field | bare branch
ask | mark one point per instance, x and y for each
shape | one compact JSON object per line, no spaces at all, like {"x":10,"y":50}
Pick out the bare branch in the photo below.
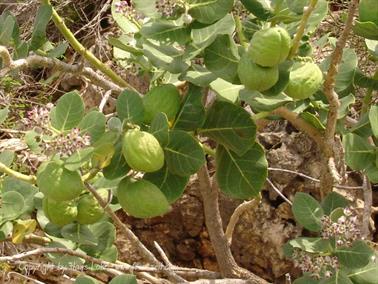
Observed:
{"x":5,"y":57}
{"x":227,"y":264}
{"x":279,"y":192}
{"x":368,"y":202}
{"x":245,"y":206}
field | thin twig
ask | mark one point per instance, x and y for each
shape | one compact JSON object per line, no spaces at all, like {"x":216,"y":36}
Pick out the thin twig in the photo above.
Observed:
{"x":104,"y":100}
{"x":279,"y":192}
{"x":312,"y":178}
{"x":368,"y":202}
{"x":162,"y":254}
{"x":245,"y":206}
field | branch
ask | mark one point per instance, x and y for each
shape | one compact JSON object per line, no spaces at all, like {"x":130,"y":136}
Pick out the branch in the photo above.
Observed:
{"x":227,"y":264}
{"x":29,"y":179}
{"x":279,"y":192}
{"x":78,"y":47}
{"x":132,"y":237}
{"x":53,"y":63}
{"x":301,"y":29}
{"x":247,"y":205}
{"x":368,"y":202}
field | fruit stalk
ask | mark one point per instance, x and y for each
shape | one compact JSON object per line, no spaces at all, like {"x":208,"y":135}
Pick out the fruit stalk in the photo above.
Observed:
{"x":301,"y":28}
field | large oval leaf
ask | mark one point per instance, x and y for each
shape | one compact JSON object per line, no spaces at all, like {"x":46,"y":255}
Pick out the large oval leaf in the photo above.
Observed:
{"x":93,"y":124}
{"x":130,"y":107}
{"x":356,"y":256}
{"x":208,"y":11}
{"x":358,"y":152}
{"x":231,"y":126}
{"x":307,"y":211}
{"x":68,"y":113}
{"x":241,"y":176}
{"x":183,"y":154}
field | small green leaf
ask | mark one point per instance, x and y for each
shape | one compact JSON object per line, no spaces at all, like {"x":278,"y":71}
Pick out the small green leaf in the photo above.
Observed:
{"x":7,"y":29}
{"x":356,"y":256}
{"x":160,"y":127}
{"x":231,"y":126}
{"x":367,"y":30}
{"x":312,"y":119}
{"x":332,"y":201}
{"x":192,"y":113}
{"x":364,"y":81}
{"x":345,"y":102}
{"x":373,"y":117}
{"x":78,"y":159}
{"x":122,"y":20}
{"x":39,"y":31}
{"x":283,"y":79}
{"x":225,"y":90}
{"x":118,"y":166}
{"x":307,"y":211}
{"x":124,"y":279}
{"x":7,"y":157}
{"x":12,"y":205}
{"x":172,"y":186}
{"x":199,"y":76}
{"x":312,"y":245}
{"x":79,"y":234}
{"x":358,"y":152}
{"x":183,"y":154}
{"x":260,"y":103}
{"x":241,"y":176}
{"x":3,"y":114}
{"x":93,"y":124}
{"x":85,"y":279}
{"x":306,"y":280}
{"x":260,"y":8}
{"x":146,"y":7}
{"x":208,"y":12}
{"x":130,"y":107}
{"x":105,"y":234}
{"x":69,"y":111}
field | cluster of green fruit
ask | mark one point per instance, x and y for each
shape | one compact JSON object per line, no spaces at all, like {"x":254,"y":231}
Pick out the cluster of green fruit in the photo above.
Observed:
{"x":143,"y":153}
{"x":64,"y":201}
{"x":258,"y":68}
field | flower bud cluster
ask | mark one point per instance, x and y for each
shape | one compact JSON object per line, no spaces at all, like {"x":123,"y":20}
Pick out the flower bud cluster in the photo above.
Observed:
{"x":66,"y":144}
{"x":317,"y":265}
{"x":38,"y":117}
{"x":167,"y":8}
{"x":345,"y":231}
{"x":240,"y":10}
{"x":122,"y":7}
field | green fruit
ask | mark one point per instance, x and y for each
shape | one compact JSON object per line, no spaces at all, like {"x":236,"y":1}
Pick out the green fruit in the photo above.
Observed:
{"x":269,"y":47}
{"x":141,"y":198}
{"x":142,"y":151}
{"x":297,"y":6}
{"x":89,"y":211}
{"x":368,"y":10}
{"x":58,"y":183}
{"x":59,"y":212}
{"x":164,"y":98}
{"x":305,"y":79}
{"x":255,"y":77}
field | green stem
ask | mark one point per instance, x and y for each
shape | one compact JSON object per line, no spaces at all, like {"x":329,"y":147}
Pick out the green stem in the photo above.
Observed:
{"x":239,"y":31}
{"x":368,"y":98}
{"x":301,"y":28}
{"x":78,"y":47}
{"x":29,"y":179}
{"x":208,"y":150}
{"x":90,"y":175}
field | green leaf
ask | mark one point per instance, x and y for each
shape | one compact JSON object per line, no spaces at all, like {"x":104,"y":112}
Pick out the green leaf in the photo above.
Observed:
{"x":124,"y":279}
{"x":123,"y":22}
{"x":367,"y":30}
{"x":58,"y":51}
{"x":347,"y":69}
{"x":6,"y":30}
{"x":118,"y":166}
{"x":209,"y":11}
{"x":312,"y":245}
{"x":345,"y":102}
{"x":85,"y":279}
{"x":307,"y":211}
{"x":373,"y":117}
{"x":6,"y":230}
{"x":130,"y":107}
{"x":283,"y":80}
{"x":365,"y":275}
{"x":78,"y":159}
{"x":64,"y":260}
{"x":79,"y":234}
{"x":362,"y":127}
{"x":183,"y":154}
{"x":358,"y":152}
{"x":372,"y":46}
{"x":356,"y":256}
{"x":3,"y":114}
{"x":339,"y":277}
{"x":372,"y":172}
{"x":364,"y":81}
{"x":332,"y":201}
{"x":171,"y":185}
{"x":146,"y":7}
{"x":68,"y":113}
{"x":306,"y":280}
{"x":312,"y":119}
{"x":260,"y":103}
{"x":241,"y":176}
{"x":12,"y":205}
{"x":7,"y":157}
{"x":166,"y":57}
{"x":231,"y":126}
{"x":160,"y":127}
{"x":105,"y":233}
{"x":166,"y":31}
{"x":38,"y":37}
{"x":222,"y":57}
{"x":260,"y":8}
{"x":199,"y":76}
{"x":225,"y":90}
{"x":93,"y":124}
{"x":192,"y":113}
{"x":204,"y":36}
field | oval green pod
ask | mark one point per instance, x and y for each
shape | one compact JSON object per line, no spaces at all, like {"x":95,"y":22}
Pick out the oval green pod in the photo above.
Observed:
{"x":59,"y":213}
